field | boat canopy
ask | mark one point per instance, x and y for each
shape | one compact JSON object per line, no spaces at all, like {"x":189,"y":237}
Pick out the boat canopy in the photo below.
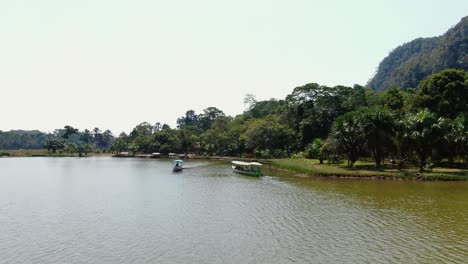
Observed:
{"x":241,"y":163}
{"x":178,"y":161}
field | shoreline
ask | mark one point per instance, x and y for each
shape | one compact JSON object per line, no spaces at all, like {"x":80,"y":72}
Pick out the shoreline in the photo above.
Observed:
{"x":301,"y":168}
{"x":341,"y":172}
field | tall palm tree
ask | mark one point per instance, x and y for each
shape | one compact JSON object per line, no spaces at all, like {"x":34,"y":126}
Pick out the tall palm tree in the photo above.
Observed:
{"x":423,"y":131}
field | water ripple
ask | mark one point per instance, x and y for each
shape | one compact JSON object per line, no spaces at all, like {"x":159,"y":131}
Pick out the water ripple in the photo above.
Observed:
{"x":107,"y":210}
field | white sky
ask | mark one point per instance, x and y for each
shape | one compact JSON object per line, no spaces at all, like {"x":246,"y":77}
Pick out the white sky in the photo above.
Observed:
{"x":113,"y":64}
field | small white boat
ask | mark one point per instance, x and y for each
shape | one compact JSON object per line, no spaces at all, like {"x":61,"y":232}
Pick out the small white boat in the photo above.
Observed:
{"x":177,"y":165}
{"x":247,"y":168}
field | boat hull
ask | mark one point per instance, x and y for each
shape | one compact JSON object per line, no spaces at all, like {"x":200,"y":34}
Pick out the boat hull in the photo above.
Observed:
{"x":250,"y":173}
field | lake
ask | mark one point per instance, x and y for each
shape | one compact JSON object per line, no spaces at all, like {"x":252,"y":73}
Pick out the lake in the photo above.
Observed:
{"x":111,"y":210}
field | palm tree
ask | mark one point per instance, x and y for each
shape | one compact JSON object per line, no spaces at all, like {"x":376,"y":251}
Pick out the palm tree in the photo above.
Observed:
{"x":456,"y":136}
{"x":379,"y":128}
{"x":349,"y":135}
{"x":422,"y":131}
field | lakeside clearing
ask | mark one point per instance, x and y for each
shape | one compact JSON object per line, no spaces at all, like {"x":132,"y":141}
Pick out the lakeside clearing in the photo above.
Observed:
{"x":367,"y":170}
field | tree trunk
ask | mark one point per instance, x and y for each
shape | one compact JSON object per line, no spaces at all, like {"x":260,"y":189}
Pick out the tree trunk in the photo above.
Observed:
{"x":422,"y":156}
{"x":377,"y":157}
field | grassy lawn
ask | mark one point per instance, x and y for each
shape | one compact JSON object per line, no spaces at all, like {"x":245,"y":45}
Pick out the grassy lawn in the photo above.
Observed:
{"x":366,"y":169}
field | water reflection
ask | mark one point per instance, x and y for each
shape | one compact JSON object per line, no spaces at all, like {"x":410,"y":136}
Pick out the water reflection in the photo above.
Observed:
{"x":135,"y":210}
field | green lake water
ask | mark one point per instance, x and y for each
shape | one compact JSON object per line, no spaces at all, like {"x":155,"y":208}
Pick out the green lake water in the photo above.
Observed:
{"x":111,"y":210}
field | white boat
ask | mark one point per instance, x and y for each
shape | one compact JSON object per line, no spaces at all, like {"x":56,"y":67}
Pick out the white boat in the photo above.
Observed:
{"x":177,"y":165}
{"x":247,"y":168}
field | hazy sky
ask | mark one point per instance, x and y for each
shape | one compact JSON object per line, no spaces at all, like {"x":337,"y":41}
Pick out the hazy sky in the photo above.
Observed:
{"x":113,"y":64}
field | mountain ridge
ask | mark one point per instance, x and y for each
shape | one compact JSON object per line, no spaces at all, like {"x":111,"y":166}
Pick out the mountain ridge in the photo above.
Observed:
{"x":412,"y":62}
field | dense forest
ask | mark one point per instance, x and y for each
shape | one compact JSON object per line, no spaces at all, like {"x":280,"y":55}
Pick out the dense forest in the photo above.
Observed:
{"x":327,"y":123}
{"x":423,"y":127}
{"x":412,"y":62}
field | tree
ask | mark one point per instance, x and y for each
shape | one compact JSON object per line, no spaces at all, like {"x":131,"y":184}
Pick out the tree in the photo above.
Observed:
{"x":456,"y":137}
{"x":142,"y":129}
{"x":107,"y":139}
{"x":189,"y":119}
{"x":312,"y":108}
{"x":217,"y":139}
{"x":209,"y":116}
{"x":235,"y":133}
{"x":145,"y":144}
{"x":314,"y":150}
{"x":249,"y":101}
{"x":394,"y":99}
{"x":84,"y":148}
{"x":97,"y":137}
{"x":187,"y":140}
{"x":261,"y":109}
{"x":55,"y":144}
{"x":422,"y":131}
{"x":166,"y":139}
{"x":444,"y":93}
{"x":379,"y":125}
{"x":69,"y":131}
{"x":86,"y":136}
{"x":349,"y":134}
{"x":119,"y":145}
{"x":269,"y":134}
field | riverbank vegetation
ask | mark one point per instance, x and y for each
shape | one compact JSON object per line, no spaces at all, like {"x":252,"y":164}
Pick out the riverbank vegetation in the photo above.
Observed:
{"x":413,"y":130}
{"x":367,"y":170}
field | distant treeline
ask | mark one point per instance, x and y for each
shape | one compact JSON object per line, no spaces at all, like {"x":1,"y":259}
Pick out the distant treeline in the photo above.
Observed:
{"x":20,"y":139}
{"x":58,"y":140}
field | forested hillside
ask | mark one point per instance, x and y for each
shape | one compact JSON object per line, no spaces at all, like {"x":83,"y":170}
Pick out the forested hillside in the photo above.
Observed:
{"x":412,"y":62}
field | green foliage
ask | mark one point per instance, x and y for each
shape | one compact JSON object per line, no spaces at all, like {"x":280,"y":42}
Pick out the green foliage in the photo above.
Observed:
{"x":263,"y":109}
{"x":445,"y":93}
{"x":394,"y":99}
{"x":456,"y":138}
{"x":209,"y":116}
{"x":422,"y":131}
{"x":379,"y":127}
{"x":269,"y":134}
{"x":20,"y":139}
{"x":189,"y":119}
{"x":312,"y":108}
{"x":69,"y":131}
{"x":349,"y":135}
{"x":314,"y":150}
{"x":55,"y":144}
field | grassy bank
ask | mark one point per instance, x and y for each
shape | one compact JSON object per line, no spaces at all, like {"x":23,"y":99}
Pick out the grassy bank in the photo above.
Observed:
{"x":364,"y":169}
{"x":42,"y":153}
